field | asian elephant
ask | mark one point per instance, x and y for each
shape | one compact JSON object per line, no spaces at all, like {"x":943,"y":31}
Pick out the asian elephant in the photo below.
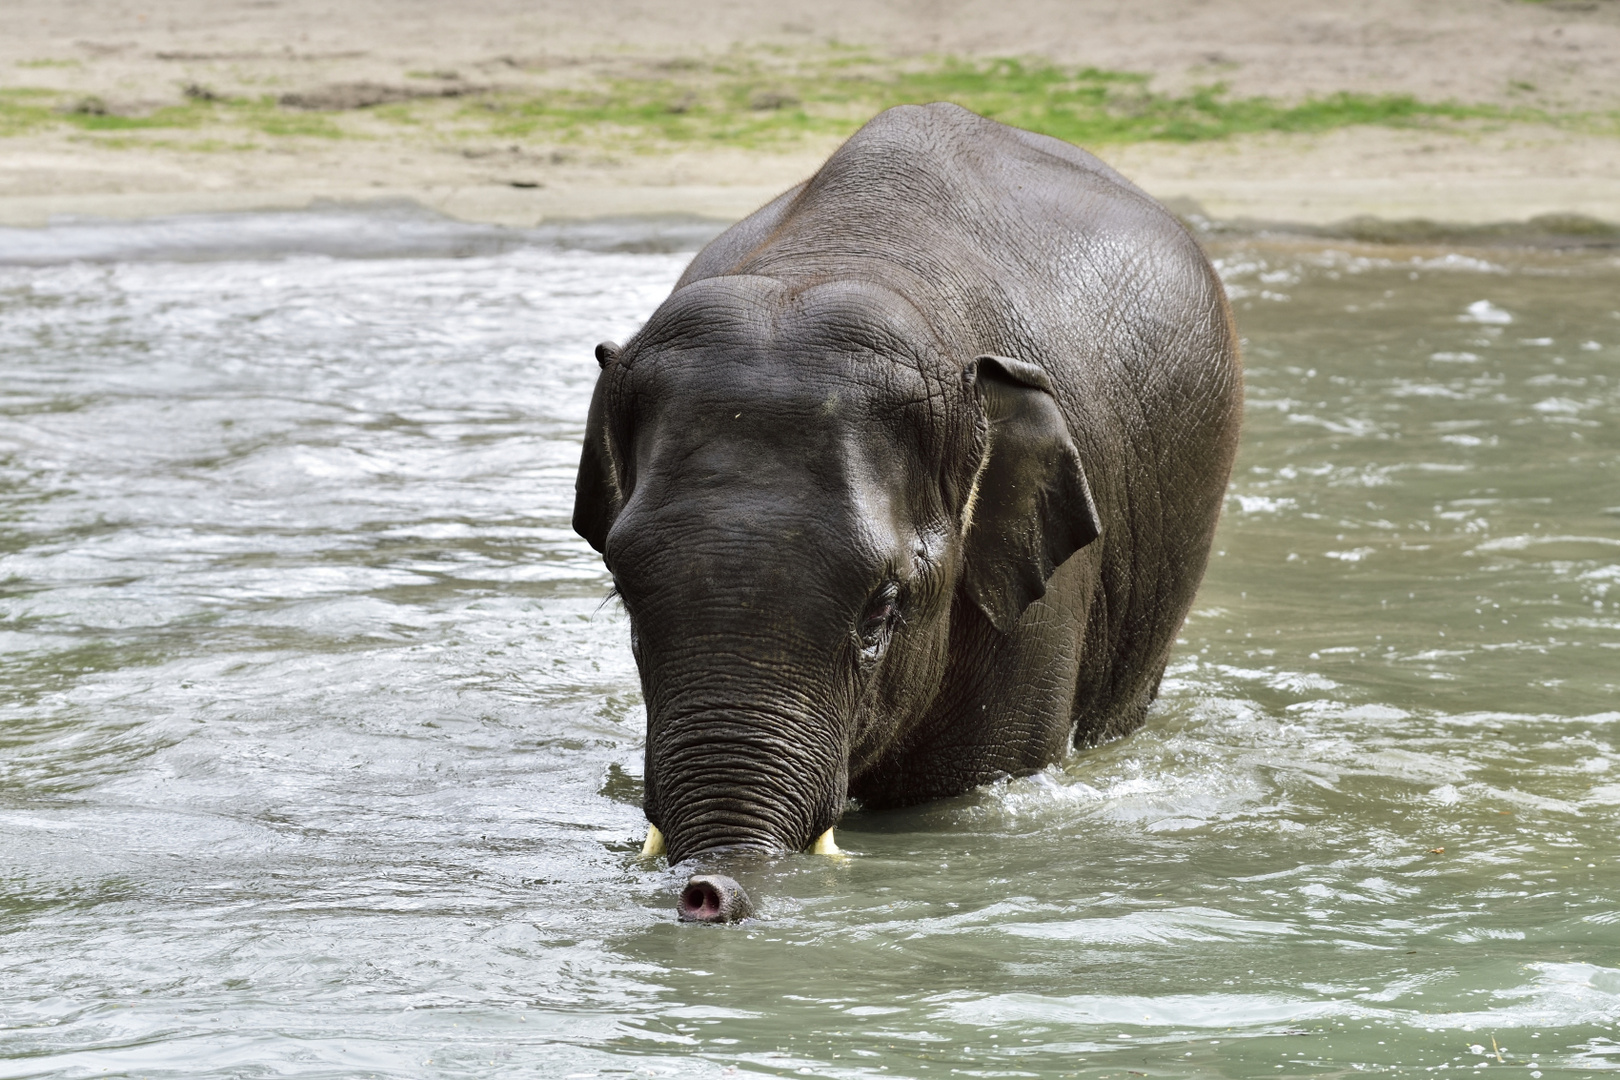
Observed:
{"x":910,"y":482}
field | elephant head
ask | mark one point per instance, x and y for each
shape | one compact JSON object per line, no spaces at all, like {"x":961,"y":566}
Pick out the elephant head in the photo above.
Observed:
{"x":790,"y":487}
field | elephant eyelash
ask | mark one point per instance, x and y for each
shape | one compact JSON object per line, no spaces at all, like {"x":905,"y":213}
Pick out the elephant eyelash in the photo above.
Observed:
{"x":891,"y":615}
{"x":885,"y":615}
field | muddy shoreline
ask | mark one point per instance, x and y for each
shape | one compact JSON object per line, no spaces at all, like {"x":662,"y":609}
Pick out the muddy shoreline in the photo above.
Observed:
{"x":381,"y":101}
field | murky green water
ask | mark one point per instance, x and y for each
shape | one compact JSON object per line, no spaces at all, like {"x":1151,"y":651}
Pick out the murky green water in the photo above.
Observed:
{"x":320,"y":752}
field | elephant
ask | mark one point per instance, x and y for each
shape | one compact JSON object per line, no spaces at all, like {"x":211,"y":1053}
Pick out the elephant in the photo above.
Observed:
{"x":909,"y":484}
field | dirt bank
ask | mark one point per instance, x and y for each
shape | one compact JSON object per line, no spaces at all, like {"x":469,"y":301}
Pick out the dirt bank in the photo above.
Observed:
{"x":128,"y":109}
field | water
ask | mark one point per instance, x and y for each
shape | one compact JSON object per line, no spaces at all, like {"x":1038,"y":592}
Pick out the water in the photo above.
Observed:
{"x":321,"y":751}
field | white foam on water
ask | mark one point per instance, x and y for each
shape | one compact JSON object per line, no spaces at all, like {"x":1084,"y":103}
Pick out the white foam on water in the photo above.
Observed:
{"x":1486,"y":313}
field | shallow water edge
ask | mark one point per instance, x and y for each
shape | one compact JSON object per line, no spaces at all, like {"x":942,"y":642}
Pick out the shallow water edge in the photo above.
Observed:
{"x":402,"y":228}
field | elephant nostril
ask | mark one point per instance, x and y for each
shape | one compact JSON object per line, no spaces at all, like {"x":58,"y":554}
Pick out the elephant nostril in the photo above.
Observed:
{"x":700,"y":902}
{"x":713,"y":899}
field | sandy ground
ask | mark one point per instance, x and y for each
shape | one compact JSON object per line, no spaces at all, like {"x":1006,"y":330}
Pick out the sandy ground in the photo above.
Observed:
{"x":1562,"y":55}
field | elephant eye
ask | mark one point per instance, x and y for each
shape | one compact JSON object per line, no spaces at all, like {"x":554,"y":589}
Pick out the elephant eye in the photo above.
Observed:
{"x":882,"y":615}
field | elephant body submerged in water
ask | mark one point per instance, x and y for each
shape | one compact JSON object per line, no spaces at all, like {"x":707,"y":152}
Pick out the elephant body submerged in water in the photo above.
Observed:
{"x":911,"y":480}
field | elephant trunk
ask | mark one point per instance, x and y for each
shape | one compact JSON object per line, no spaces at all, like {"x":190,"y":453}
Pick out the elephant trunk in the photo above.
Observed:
{"x":764,"y":780}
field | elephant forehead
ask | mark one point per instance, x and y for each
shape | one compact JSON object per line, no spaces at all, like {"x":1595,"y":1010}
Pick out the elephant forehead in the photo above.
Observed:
{"x":705,"y":496}
{"x":813,"y":441}
{"x":794,"y":322}
{"x":750,"y":399}
{"x":773,"y":406}
{"x":798,"y":463}
{"x":744,"y":384}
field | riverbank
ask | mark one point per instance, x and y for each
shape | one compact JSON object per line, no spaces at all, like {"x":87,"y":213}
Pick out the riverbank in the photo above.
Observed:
{"x":1460,"y":114}
{"x":1509,"y":176}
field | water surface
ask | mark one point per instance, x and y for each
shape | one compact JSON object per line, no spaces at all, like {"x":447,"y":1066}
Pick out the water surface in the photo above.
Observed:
{"x":320,"y":751}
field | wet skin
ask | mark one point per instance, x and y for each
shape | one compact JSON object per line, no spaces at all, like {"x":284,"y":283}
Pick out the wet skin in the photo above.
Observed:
{"x":911,"y":481}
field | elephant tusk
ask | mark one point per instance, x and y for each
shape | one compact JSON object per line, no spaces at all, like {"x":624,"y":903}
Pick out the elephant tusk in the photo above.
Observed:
{"x":654,"y":844}
{"x":824,"y":845}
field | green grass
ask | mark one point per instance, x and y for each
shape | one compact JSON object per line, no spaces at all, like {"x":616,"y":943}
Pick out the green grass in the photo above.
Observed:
{"x":746,"y":105}
{"x":771,"y":100}
{"x":24,"y":109}
{"x":170,"y":117}
{"x":1106,"y":107}
{"x":264,"y":116}
{"x":30,"y":109}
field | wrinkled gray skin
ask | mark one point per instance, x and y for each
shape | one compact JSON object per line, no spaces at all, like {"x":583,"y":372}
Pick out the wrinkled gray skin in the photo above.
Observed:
{"x":911,"y":480}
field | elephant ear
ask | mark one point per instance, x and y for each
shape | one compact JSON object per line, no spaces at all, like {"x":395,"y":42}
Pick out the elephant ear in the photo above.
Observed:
{"x":598,"y":490}
{"x":1031,"y":507}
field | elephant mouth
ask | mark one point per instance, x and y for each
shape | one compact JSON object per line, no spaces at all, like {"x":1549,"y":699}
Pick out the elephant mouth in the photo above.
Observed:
{"x":702,"y":817}
{"x":656,"y":845}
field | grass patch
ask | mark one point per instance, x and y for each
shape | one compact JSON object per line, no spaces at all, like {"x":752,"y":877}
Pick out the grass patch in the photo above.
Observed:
{"x":89,"y":114}
{"x":228,"y":120}
{"x":283,"y":125}
{"x":1091,"y":106}
{"x":264,"y":116}
{"x":749,"y":105}
{"x":144,"y":142}
{"x":765,"y":100}
{"x":24,"y":109}
{"x":398,"y":113}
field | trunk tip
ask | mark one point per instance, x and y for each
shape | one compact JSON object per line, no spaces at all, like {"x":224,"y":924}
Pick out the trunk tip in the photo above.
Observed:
{"x":713,"y":898}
